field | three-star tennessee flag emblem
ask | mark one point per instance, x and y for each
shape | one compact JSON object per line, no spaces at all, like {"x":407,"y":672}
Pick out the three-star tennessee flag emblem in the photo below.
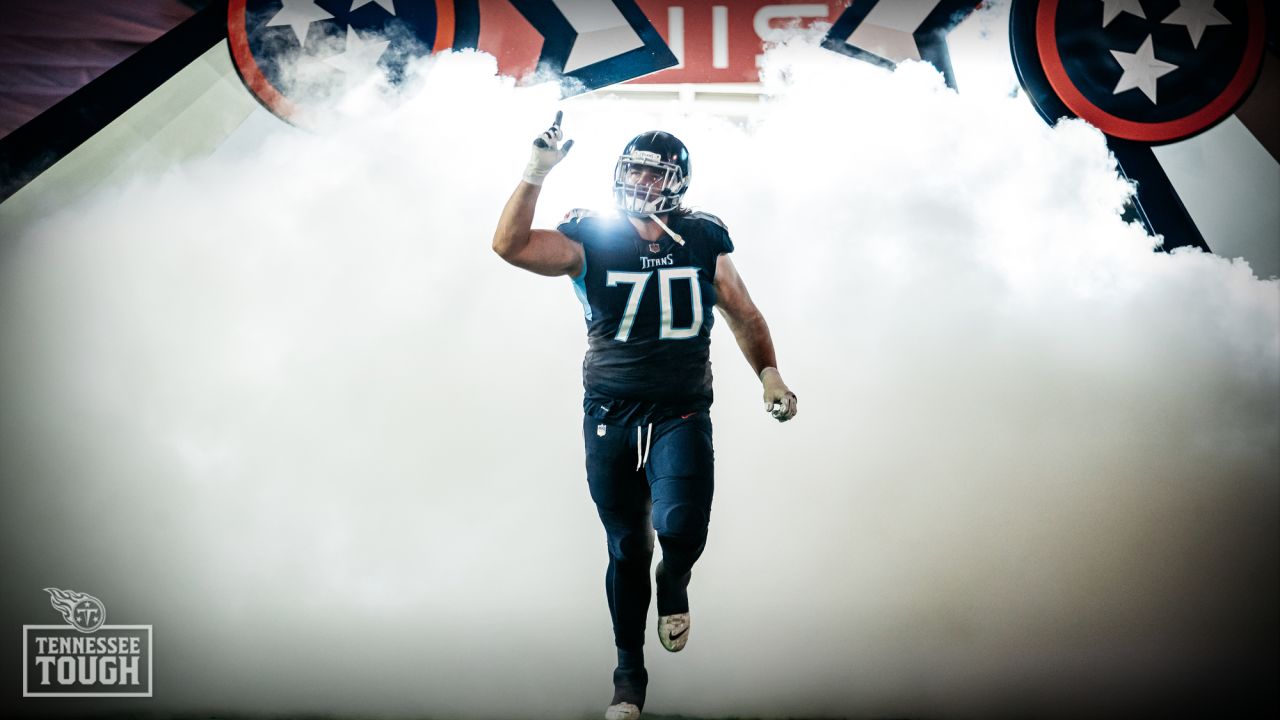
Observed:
{"x":1149,"y":71}
{"x":290,"y":53}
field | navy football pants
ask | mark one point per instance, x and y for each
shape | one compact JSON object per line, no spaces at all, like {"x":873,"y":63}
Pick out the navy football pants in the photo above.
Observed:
{"x":670,"y":494}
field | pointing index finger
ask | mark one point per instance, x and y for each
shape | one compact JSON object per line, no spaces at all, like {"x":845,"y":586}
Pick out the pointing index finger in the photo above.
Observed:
{"x":559,"y":116}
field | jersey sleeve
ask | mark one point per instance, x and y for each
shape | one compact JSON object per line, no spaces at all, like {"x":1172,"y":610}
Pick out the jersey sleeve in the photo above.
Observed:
{"x":716,"y":230}
{"x":726,"y":243}
{"x":571,"y":225}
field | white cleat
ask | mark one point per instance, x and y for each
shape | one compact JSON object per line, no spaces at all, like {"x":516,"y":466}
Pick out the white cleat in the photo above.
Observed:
{"x":673,"y":631}
{"x":622,"y":711}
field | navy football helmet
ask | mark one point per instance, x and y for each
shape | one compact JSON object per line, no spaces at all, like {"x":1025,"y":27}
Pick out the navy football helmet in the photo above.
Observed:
{"x":652,"y":174}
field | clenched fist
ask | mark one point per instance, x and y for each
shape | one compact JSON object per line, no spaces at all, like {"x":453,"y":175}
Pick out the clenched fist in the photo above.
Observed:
{"x":779,"y":401}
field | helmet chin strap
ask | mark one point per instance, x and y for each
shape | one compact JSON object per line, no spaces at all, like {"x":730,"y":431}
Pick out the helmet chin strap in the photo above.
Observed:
{"x":674,"y":235}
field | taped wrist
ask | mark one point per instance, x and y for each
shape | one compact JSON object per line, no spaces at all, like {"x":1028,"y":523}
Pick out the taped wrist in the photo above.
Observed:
{"x":534,"y":173}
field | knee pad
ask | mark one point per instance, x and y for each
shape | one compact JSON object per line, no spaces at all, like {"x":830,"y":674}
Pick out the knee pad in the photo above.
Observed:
{"x":632,"y":546}
{"x":680,"y":520}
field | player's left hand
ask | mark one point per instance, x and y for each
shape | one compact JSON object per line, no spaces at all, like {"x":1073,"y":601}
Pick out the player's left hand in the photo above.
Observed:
{"x":779,"y":401}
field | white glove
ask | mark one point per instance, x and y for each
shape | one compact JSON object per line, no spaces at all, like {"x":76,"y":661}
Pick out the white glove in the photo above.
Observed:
{"x":779,"y":401}
{"x":546,"y":152}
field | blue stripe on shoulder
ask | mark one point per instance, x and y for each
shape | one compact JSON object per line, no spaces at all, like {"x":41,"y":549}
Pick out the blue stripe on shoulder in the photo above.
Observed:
{"x":580,"y":288}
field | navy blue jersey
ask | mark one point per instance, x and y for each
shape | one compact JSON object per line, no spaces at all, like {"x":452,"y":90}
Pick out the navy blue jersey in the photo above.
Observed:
{"x":648,"y":312}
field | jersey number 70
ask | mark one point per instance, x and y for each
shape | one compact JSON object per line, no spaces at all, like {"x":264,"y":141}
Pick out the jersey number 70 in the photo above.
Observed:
{"x":638,"y":280}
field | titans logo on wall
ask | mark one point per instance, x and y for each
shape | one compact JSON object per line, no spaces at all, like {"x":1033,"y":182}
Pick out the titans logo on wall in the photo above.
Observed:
{"x":1145,"y":72}
{"x":887,"y":32}
{"x":291,"y":53}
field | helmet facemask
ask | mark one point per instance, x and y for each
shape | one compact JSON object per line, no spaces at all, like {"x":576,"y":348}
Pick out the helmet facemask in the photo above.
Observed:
{"x":661,"y":196}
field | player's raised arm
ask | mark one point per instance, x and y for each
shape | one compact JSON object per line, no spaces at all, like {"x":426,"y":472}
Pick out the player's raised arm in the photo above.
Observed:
{"x":546,"y":252}
{"x":752,"y":333}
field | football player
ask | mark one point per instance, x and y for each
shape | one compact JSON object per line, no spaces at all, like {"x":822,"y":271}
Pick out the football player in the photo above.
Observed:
{"x":648,"y":275}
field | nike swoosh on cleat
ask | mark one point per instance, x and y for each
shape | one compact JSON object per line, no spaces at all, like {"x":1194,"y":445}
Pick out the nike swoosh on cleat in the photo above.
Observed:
{"x":677,"y":636}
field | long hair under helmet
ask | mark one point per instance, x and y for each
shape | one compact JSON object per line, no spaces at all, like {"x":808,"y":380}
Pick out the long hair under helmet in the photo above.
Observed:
{"x":663,"y":152}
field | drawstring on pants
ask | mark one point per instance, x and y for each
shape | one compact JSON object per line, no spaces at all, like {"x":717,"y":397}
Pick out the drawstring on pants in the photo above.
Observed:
{"x":642,"y":454}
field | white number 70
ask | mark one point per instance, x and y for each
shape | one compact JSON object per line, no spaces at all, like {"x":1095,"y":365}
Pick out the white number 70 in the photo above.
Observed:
{"x":638,"y":280}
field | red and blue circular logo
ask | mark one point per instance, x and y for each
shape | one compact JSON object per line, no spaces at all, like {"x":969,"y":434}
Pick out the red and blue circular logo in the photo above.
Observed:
{"x":1150,"y":71}
{"x":291,"y":53}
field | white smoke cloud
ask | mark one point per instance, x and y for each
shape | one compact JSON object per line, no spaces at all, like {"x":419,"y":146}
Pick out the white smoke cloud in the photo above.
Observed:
{"x":285,"y":404}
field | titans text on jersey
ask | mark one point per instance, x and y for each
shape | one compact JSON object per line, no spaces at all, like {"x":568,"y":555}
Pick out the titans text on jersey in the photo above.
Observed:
{"x":648,"y":312}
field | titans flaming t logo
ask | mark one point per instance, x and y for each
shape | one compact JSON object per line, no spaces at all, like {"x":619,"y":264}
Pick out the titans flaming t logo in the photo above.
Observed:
{"x":82,"y":611}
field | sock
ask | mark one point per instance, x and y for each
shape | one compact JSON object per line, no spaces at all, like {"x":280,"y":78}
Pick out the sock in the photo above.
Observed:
{"x":631,"y":659}
{"x":629,"y":686}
